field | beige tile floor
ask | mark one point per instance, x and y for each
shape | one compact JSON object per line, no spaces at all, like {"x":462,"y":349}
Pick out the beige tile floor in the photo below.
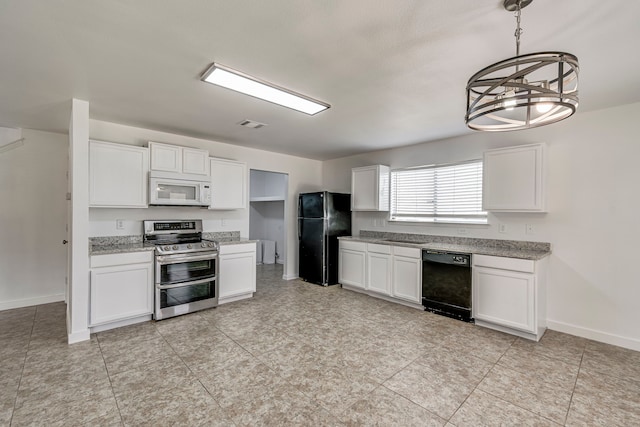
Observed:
{"x":300,"y":354}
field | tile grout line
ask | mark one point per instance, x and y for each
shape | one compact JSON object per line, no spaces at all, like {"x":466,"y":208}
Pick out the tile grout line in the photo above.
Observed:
{"x":575,"y":384}
{"x":189,"y":367}
{"x":500,"y":398}
{"x":482,"y":379}
{"x":24,"y":363}
{"x":106,"y":368}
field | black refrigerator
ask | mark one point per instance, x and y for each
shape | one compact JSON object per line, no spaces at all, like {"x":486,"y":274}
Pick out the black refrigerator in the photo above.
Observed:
{"x":322,"y":218}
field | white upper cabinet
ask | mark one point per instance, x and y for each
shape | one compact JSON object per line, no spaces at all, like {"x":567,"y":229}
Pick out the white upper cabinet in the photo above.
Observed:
{"x":165,"y":157}
{"x":118,"y":175}
{"x":513,"y":179}
{"x":228,"y":184}
{"x":195,"y":161}
{"x":173,"y":158}
{"x":370,"y":188}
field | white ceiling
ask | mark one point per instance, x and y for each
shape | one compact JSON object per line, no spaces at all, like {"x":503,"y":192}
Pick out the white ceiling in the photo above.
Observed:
{"x":394,"y":71}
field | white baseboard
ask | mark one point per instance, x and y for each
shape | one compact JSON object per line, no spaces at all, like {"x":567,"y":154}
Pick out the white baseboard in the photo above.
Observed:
{"x":28,"y":302}
{"x":120,"y":323}
{"x":234,"y":298}
{"x":78,"y":336}
{"x":592,"y":334}
{"x":380,"y":296}
{"x":289,"y":277}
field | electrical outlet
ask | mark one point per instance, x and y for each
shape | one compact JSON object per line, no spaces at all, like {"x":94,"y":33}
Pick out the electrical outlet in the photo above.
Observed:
{"x":529,"y":229}
{"x":462,"y":231}
{"x":223,"y":222}
{"x":502,"y":228}
{"x":119,"y":224}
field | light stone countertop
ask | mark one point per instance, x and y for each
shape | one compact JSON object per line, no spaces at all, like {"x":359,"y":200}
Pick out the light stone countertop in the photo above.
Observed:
{"x":477,"y":249}
{"x":119,"y":249}
{"x":123,"y":244}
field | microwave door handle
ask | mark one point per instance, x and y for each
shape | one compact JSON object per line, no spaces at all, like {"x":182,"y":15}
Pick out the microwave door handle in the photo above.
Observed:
{"x":183,"y":284}
{"x":170,"y":259}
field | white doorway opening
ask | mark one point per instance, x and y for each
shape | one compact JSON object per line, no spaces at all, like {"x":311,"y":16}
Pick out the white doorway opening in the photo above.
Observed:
{"x":267,"y":214}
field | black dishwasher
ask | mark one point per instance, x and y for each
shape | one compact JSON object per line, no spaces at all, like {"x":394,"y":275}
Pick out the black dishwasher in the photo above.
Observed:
{"x":446,"y":284}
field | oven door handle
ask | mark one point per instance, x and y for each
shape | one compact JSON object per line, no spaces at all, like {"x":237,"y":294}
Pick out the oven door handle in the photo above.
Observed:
{"x":172,"y":259}
{"x":183,"y":284}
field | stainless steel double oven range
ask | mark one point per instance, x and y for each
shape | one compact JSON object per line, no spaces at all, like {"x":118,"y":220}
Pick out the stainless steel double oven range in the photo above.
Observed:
{"x":186,"y":267}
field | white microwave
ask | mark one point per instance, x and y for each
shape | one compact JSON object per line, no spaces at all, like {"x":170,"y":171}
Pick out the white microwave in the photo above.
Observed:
{"x":176,"y":189}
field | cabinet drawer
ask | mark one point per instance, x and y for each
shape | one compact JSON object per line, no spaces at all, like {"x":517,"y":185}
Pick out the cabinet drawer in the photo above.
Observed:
{"x":407,"y":252}
{"x":121,"y":259}
{"x":237,"y":249}
{"x":354,"y":246}
{"x":513,"y":264}
{"x":380,"y":249}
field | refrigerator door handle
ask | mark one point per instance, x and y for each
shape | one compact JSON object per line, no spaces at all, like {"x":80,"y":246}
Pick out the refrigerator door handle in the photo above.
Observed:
{"x":299,"y":206}
{"x":300,"y":229}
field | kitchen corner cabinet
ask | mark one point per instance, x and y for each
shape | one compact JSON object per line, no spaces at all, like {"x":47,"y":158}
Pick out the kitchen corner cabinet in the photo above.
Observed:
{"x":173,"y":158}
{"x":370,"y":188}
{"x":514,"y":179}
{"x":510,"y":295}
{"x":406,"y":280}
{"x":228,"y":184}
{"x":121,"y":287}
{"x":236,"y":272}
{"x":352,"y":264}
{"x":118,"y":175}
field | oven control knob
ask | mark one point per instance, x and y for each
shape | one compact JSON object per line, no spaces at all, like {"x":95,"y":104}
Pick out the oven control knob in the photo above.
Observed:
{"x":210,"y":245}
{"x":166,"y":248}
{"x":175,"y":247}
{"x":204,"y":245}
{"x":189,"y":246}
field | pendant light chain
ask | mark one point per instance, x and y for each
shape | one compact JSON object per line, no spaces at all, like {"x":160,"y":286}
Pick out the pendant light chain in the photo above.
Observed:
{"x":518,"y":29}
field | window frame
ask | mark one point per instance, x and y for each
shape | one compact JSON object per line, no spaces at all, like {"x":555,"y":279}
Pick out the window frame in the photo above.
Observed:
{"x":481,"y":218}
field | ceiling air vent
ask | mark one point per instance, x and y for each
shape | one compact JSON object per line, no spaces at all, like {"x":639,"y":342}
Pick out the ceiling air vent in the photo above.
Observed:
{"x":251,"y":124}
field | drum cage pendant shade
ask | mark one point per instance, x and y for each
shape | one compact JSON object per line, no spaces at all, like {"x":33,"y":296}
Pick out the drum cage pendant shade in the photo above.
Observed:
{"x":525,"y":91}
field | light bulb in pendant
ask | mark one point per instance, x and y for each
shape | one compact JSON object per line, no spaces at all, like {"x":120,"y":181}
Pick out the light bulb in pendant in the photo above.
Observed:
{"x":509,"y":103}
{"x":541,"y":106}
{"x":544,"y":107}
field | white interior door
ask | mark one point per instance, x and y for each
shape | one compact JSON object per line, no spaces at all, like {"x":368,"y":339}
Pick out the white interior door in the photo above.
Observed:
{"x":67,"y":238}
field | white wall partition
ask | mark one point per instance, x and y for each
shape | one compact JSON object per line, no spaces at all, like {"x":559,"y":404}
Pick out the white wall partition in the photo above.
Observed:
{"x":78,"y":304}
{"x":33,"y":186}
{"x":592,"y":220}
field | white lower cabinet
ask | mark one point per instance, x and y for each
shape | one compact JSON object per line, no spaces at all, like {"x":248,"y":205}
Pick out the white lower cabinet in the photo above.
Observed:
{"x":121,"y":287}
{"x":386,"y":271}
{"x":236,"y":272}
{"x":379,"y":267}
{"x":407,"y":274}
{"x":509,"y":295}
{"x":352,"y":264}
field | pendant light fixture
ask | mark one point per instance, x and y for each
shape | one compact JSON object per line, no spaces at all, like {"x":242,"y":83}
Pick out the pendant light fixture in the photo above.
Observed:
{"x":525,"y":91}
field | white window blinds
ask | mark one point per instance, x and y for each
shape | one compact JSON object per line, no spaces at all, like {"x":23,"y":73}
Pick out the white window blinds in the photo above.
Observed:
{"x":448,"y":193}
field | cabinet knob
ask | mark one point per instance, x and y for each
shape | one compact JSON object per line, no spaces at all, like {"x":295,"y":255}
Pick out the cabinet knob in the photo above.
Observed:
{"x":64,"y":242}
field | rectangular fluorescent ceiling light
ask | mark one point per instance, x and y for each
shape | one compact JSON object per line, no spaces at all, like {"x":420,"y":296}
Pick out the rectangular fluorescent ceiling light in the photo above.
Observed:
{"x":235,"y":80}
